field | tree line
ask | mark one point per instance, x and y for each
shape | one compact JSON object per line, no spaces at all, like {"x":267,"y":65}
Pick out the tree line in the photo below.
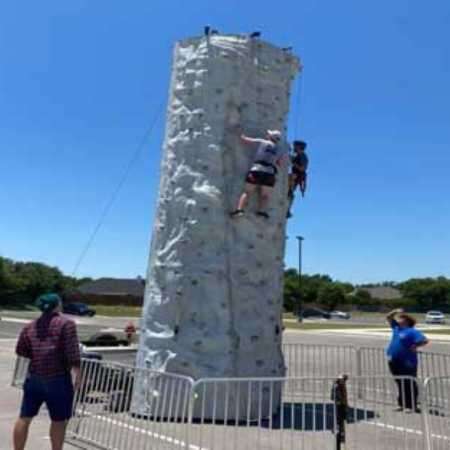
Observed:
{"x":417,"y":294}
{"x":22,"y":282}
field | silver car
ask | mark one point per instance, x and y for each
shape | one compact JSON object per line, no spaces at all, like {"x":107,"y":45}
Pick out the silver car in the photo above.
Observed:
{"x":434,"y":317}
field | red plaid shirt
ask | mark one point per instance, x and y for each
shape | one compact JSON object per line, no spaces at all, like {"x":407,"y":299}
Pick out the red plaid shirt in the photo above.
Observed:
{"x":51,"y":343}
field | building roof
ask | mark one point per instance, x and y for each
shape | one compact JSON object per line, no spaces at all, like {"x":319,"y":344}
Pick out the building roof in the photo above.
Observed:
{"x":383,"y":292}
{"x":114,"y":286}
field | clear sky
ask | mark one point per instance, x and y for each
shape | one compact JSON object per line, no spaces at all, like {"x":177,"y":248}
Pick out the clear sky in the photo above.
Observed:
{"x":80,"y":82}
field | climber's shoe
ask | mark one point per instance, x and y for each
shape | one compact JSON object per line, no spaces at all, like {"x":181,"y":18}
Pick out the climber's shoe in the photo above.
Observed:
{"x":237,"y":213}
{"x":263,"y":214}
{"x":288,"y":215}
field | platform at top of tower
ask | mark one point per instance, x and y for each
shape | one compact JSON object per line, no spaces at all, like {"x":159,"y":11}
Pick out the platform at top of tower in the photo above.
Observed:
{"x":244,"y":42}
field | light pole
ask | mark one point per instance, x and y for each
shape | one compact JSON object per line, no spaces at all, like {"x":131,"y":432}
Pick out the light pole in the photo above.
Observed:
{"x":299,"y":304}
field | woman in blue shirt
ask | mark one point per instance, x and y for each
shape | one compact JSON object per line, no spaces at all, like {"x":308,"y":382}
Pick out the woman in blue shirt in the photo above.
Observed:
{"x":402,"y":356}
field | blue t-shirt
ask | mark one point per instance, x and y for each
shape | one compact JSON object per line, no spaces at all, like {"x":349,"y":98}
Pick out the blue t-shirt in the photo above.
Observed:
{"x":399,"y":349}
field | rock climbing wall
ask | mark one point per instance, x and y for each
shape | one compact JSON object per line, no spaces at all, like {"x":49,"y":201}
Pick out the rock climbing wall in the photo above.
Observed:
{"x":213,"y":297}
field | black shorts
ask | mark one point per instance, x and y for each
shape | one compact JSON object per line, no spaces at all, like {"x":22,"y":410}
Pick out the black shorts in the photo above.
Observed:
{"x":56,"y":393}
{"x":260,"y":178}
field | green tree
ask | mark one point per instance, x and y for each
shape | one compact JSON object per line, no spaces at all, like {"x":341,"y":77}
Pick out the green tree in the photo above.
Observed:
{"x":331,"y":295}
{"x":7,"y":281}
{"x":427,"y":292}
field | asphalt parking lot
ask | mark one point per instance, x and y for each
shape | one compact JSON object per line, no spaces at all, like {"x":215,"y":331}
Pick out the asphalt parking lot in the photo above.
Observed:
{"x":397,"y":428}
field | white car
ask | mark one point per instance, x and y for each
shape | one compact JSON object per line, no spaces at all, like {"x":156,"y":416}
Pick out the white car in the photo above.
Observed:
{"x":434,"y":317}
{"x":340,"y":315}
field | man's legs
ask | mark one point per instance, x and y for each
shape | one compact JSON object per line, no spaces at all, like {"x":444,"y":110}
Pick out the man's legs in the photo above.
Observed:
{"x":57,"y":433}
{"x":20,"y":432}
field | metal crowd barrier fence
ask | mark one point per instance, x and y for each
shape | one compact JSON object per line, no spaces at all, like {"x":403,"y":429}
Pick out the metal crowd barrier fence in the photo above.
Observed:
{"x":125,"y":408}
{"x":301,"y":413}
{"x":328,"y":360}
{"x":20,"y":372}
{"x":121,"y":407}
{"x":311,"y":360}
{"x":437,"y":409}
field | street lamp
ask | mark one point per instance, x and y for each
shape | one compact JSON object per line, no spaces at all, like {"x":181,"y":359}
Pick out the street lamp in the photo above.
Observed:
{"x":299,"y":304}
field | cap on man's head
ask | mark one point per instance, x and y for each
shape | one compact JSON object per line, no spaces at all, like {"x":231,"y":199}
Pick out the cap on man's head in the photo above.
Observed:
{"x":301,"y":144}
{"x":274,"y":134}
{"x":48,"y":302}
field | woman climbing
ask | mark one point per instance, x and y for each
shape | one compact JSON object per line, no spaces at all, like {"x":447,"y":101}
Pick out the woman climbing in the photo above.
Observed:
{"x":262,"y":173}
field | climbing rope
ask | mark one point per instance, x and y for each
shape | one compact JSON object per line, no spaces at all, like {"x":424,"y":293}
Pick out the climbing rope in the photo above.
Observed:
{"x":134,"y":158}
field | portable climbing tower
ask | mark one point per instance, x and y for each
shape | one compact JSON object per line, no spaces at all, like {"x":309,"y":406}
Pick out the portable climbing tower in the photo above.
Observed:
{"x":213,"y":298}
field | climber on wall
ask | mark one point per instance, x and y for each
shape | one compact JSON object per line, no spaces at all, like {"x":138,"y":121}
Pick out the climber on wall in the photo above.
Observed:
{"x":262,"y":173}
{"x":298,"y":176}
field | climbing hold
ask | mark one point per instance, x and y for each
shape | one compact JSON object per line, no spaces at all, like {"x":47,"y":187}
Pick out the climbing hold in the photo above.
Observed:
{"x":254,"y":338}
{"x":277,"y":330}
{"x":259,"y":363}
{"x":198,"y":343}
{"x":176,"y":330}
{"x":194,"y":282}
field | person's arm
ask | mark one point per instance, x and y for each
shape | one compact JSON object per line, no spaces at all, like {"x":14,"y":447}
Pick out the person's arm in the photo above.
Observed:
{"x":390,"y":316}
{"x":23,"y":347}
{"x":249,"y":140}
{"x":420,"y":340}
{"x":72,"y":351}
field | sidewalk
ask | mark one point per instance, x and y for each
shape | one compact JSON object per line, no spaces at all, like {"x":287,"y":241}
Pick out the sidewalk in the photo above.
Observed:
{"x":10,"y":403}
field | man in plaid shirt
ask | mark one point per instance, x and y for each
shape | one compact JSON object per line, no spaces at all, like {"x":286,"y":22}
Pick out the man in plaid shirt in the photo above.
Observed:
{"x":51,"y":344}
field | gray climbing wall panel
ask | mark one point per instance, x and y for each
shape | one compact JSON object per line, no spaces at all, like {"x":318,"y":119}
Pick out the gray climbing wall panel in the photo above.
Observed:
{"x":213,"y":297}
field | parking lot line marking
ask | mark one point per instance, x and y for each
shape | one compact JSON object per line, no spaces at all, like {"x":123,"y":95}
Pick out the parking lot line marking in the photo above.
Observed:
{"x":14,"y":320}
{"x":142,"y":431}
{"x":404,"y":429}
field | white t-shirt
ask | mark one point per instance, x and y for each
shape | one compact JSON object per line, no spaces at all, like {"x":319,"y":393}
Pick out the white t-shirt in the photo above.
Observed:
{"x":268,"y":152}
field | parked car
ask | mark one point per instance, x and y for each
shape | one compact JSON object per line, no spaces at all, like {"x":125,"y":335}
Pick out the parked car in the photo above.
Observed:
{"x":105,"y":339}
{"x":78,"y":309}
{"x":314,"y":313}
{"x":434,"y":317}
{"x":340,"y":315}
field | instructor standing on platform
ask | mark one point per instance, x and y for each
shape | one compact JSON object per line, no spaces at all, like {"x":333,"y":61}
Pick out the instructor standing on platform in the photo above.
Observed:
{"x":51,"y":344}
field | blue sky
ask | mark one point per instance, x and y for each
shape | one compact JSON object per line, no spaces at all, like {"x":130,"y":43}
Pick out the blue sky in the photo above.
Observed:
{"x":80,"y":82}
